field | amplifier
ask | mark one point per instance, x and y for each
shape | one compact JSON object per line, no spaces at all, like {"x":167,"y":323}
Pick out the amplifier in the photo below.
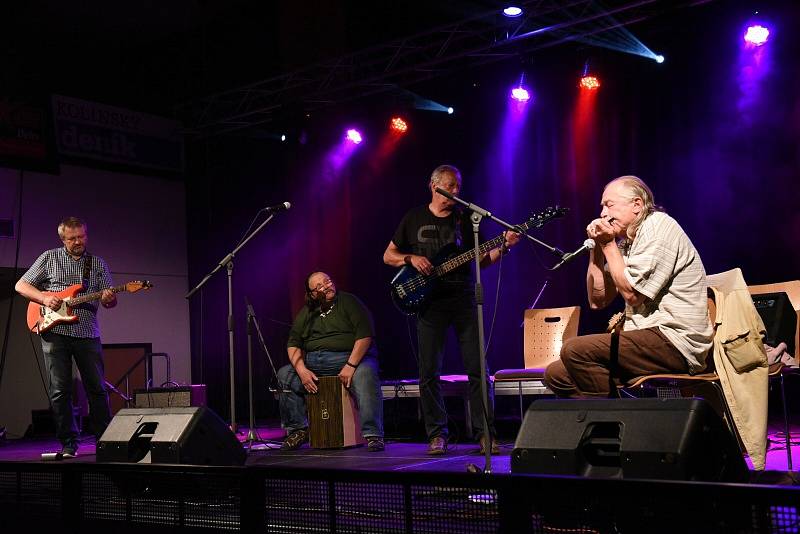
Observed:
{"x":180,"y":396}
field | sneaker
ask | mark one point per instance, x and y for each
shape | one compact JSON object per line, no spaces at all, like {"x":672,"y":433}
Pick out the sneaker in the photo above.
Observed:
{"x":375,"y":444}
{"x":295,"y":440}
{"x":495,"y":448}
{"x":437,"y":446}
{"x":70,"y":450}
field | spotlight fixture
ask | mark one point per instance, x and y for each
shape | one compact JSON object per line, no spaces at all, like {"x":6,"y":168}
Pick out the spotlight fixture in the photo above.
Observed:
{"x":354,"y":136}
{"x":283,"y":137}
{"x":756,"y":35}
{"x":512,"y":12}
{"x":520,"y":94}
{"x":398,"y":125}
{"x":659,"y":58}
{"x":589,"y":83}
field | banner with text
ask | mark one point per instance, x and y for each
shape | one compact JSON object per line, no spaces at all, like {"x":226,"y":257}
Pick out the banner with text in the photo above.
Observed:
{"x":90,"y":130}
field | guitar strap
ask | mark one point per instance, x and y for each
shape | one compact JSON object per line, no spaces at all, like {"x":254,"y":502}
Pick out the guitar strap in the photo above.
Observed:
{"x":87,"y":268}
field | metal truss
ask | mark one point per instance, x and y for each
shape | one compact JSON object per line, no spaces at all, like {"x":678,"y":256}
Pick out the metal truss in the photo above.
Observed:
{"x":481,"y":39}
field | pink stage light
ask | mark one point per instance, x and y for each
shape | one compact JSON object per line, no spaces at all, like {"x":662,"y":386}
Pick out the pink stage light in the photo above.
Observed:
{"x":520,"y":94}
{"x":756,"y":35}
{"x":354,"y":136}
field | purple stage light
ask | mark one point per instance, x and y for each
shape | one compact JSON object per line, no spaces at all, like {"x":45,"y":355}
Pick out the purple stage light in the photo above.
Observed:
{"x":756,"y":35}
{"x":354,"y":136}
{"x":512,"y":12}
{"x":520,"y":94}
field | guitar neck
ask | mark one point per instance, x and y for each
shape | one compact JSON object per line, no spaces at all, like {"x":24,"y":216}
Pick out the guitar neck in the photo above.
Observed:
{"x":461,"y":259}
{"x":88,"y":297}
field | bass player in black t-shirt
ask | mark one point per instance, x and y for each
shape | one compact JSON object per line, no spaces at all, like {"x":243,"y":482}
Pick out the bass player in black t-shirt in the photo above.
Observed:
{"x":426,"y":236}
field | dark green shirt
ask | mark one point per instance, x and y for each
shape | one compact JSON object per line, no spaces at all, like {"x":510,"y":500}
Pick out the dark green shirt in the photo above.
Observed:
{"x":338,"y":330}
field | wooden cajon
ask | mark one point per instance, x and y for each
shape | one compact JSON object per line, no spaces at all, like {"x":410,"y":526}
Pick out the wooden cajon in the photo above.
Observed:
{"x":333,"y":420}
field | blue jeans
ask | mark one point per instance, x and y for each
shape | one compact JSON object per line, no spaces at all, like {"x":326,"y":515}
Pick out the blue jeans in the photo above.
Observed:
{"x":456,"y":309}
{"x":59,"y":351}
{"x":365,"y":387}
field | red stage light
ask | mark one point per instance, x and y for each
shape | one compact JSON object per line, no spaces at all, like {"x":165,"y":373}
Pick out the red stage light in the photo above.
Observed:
{"x":590,"y":83}
{"x":398,"y":125}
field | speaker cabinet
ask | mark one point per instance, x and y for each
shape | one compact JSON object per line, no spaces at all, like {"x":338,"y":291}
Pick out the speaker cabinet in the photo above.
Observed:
{"x":194,"y":435}
{"x":333,"y":420}
{"x":779,"y":318}
{"x":677,"y":439}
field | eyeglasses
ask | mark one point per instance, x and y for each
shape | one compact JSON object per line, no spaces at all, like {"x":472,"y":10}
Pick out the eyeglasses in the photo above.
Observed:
{"x":322,"y":285}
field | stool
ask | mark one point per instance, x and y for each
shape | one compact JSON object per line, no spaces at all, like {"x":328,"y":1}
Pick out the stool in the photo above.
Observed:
{"x":333,"y":420}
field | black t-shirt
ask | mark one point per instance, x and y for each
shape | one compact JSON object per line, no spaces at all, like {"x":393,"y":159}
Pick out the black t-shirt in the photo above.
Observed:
{"x":424,"y":234}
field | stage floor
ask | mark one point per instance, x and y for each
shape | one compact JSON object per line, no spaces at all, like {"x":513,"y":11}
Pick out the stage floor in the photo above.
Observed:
{"x":398,"y":456}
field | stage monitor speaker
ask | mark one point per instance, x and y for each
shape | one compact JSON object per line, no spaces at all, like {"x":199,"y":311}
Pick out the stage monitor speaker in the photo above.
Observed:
{"x":779,"y":318}
{"x":677,"y":439}
{"x":194,"y":435}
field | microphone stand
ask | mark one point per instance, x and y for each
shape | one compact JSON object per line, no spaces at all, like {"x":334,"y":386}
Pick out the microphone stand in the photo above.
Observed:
{"x":478,"y":214}
{"x":254,"y":321}
{"x":227,"y":262}
{"x":252,"y":434}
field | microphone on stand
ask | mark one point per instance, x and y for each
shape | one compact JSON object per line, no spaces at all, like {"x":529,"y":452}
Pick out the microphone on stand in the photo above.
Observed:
{"x":587,"y":245}
{"x":279,"y":207}
{"x":445,"y":192}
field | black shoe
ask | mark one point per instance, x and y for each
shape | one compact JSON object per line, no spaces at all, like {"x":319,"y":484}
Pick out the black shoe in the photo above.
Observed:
{"x":70,"y":450}
{"x":375,"y":444}
{"x":295,"y":440}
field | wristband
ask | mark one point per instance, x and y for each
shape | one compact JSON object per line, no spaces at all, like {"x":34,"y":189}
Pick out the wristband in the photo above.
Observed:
{"x":407,"y":260}
{"x":351,"y":365}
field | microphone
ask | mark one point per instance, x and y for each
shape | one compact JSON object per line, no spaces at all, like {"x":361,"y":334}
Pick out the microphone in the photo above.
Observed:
{"x":279,"y":207}
{"x":445,"y":192}
{"x":587,"y":245}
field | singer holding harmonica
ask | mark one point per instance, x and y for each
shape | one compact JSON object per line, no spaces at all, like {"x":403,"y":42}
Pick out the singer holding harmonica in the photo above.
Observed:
{"x":643,"y":255}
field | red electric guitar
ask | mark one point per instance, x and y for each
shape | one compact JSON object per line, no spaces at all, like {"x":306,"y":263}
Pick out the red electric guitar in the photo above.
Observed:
{"x":41,"y":318}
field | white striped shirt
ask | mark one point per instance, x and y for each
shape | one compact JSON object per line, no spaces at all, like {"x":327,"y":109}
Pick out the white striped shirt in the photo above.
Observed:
{"x":55,"y":270}
{"x":663,"y":265}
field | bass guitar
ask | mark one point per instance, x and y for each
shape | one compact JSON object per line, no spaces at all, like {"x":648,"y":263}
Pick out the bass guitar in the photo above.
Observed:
{"x":410,"y":288}
{"x":41,"y":318}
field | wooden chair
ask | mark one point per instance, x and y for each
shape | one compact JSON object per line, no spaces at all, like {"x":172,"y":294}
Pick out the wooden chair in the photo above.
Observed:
{"x":688,"y":385}
{"x":545,"y":330}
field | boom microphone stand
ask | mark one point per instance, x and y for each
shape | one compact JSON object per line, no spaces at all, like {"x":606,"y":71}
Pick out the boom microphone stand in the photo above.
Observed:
{"x":227,"y":262}
{"x":478,"y":214}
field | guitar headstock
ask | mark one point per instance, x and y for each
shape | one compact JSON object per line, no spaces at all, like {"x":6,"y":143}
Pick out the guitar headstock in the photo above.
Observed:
{"x":539,"y":219}
{"x":136,"y":285}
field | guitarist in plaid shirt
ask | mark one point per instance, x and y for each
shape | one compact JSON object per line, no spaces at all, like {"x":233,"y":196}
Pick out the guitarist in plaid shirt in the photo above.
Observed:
{"x":55,"y":270}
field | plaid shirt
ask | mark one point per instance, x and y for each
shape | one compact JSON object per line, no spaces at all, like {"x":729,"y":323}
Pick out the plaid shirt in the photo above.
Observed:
{"x":55,"y":270}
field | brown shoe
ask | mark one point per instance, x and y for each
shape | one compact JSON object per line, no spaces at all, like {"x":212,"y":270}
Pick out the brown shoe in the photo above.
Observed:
{"x":437,"y":446}
{"x":495,"y":448}
{"x":295,"y":440}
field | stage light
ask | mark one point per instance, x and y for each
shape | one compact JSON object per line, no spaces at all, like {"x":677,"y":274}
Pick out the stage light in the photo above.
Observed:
{"x":590,"y":83}
{"x":283,"y":137}
{"x":450,"y":111}
{"x":659,"y":58}
{"x":756,"y":35}
{"x":354,"y":136}
{"x":512,"y":11}
{"x":398,"y":125}
{"x":520,"y":94}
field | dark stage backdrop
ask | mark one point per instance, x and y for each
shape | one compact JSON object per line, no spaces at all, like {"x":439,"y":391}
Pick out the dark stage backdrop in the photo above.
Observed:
{"x":713,"y":131}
